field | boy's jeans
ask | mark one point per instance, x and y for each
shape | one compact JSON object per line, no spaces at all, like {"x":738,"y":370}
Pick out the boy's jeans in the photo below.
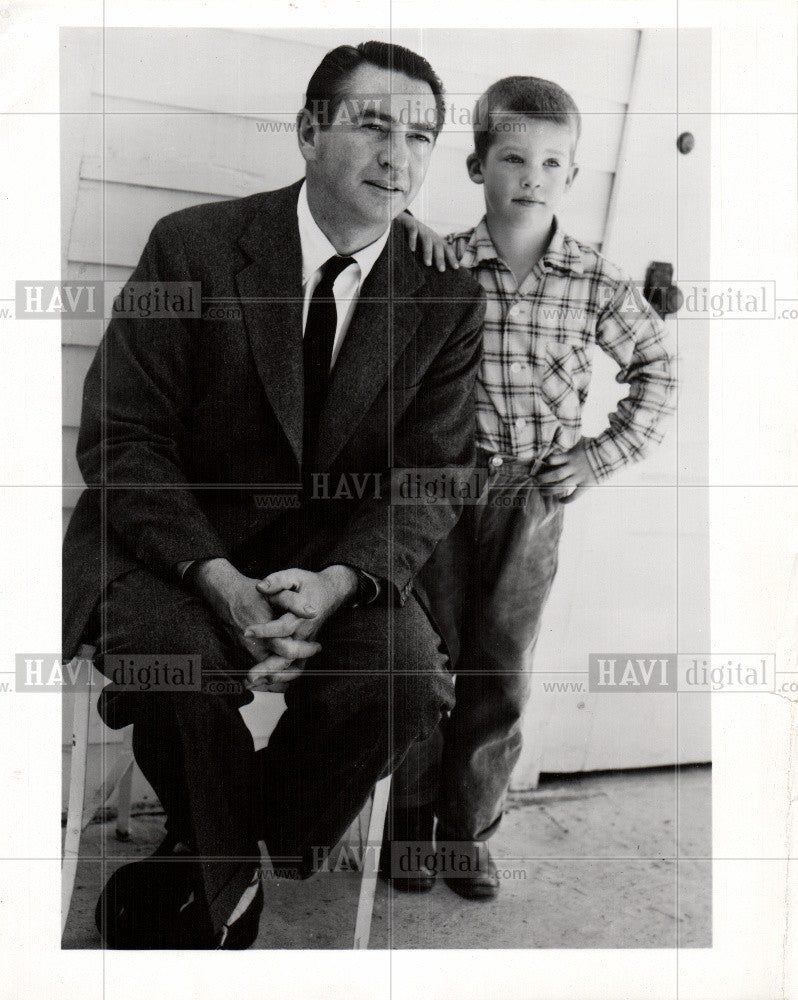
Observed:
{"x":487,"y":583}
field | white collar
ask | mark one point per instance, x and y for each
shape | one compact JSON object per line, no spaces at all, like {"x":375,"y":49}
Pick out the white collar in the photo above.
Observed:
{"x":316,"y":248}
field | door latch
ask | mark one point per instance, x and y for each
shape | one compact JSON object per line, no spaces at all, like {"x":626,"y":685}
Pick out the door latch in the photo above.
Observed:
{"x":659,"y":289}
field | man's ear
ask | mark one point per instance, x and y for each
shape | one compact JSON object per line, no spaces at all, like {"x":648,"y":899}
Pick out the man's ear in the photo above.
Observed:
{"x":307,"y":130}
{"x":474,"y":166}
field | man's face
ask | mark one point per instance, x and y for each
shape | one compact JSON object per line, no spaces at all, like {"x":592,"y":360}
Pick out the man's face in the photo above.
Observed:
{"x":527,"y":170}
{"x":369,"y":164}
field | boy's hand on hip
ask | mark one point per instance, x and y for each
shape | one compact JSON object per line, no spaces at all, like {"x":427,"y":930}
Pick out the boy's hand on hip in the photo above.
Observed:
{"x":569,"y":471}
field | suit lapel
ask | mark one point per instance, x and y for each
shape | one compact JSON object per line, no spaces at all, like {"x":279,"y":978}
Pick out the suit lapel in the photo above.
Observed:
{"x":383,"y":322}
{"x":270,"y":290}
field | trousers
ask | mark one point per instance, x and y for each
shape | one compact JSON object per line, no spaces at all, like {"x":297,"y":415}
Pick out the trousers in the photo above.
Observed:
{"x":380,"y":683}
{"x":487,"y":583}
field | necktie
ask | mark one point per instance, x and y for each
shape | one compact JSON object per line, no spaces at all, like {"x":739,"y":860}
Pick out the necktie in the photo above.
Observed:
{"x":317,"y":348}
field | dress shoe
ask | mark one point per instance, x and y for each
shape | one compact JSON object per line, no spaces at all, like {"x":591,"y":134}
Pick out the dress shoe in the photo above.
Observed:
{"x":140,"y":904}
{"x":480,"y":878}
{"x":410,"y":845}
{"x":242,"y":932}
{"x":149,"y":905}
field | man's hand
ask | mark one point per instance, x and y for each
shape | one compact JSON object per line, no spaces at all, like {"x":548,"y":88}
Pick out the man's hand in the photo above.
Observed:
{"x":432,"y":244}
{"x":240,"y":606}
{"x":569,"y":471}
{"x":314,"y":597}
{"x":296,"y":592}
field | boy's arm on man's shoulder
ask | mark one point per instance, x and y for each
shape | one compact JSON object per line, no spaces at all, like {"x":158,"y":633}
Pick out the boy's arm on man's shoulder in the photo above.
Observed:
{"x":432,"y":247}
{"x":633,"y":335}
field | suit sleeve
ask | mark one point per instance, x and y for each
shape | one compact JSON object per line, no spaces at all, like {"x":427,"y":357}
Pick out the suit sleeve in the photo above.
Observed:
{"x":393,"y":541}
{"x":136,"y":397}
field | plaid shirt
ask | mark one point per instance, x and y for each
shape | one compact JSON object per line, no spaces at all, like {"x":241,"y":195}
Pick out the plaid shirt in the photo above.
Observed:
{"x":538,"y":341}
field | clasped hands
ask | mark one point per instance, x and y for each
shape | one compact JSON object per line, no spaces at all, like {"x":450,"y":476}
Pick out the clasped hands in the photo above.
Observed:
{"x":276,"y":619}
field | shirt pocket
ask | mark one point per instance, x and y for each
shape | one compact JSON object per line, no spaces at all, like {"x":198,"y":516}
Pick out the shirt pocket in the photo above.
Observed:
{"x":562,"y":369}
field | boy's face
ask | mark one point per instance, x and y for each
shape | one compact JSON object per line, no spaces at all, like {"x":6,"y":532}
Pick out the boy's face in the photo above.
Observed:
{"x":527,"y":170}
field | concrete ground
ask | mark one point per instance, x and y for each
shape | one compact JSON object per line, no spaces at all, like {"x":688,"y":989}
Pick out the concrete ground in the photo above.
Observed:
{"x":588,"y":861}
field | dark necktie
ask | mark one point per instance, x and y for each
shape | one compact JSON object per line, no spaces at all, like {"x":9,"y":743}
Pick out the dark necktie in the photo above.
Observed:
{"x":317,"y":348}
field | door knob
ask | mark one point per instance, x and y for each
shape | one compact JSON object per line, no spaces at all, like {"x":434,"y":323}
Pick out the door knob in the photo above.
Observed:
{"x":659,"y":289}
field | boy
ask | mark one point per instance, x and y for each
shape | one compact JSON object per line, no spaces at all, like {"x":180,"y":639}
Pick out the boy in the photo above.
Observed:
{"x":550,"y":299}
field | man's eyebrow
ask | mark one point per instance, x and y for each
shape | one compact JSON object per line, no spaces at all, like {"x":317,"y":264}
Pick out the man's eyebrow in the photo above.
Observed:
{"x":373,"y":114}
{"x":422,"y":126}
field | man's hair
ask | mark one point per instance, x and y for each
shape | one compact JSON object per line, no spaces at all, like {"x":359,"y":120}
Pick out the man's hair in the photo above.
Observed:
{"x":327,"y":85}
{"x":530,"y":96}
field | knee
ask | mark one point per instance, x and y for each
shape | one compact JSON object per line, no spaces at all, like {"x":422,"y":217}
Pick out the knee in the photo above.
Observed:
{"x":422,"y":696}
{"x":421,"y":703}
{"x":146,"y":615}
{"x":402,"y":677}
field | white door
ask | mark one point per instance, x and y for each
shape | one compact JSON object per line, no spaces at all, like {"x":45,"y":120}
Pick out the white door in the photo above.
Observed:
{"x":634,"y":566}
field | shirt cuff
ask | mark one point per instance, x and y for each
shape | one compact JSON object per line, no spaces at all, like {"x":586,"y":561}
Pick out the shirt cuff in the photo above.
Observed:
{"x":182,"y":567}
{"x":369,"y":588}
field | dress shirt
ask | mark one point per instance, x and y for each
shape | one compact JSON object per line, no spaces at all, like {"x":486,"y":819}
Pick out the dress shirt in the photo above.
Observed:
{"x":316,"y":251}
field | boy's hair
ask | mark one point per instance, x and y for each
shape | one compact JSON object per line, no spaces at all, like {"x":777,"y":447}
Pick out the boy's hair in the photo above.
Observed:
{"x":327,"y":85}
{"x":523,"y":95}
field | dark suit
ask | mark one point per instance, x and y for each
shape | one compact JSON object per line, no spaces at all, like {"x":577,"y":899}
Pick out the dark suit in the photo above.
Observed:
{"x":185,"y":423}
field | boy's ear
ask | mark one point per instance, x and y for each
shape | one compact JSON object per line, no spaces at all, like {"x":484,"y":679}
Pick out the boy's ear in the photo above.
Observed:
{"x":573,"y":171}
{"x":474,"y":165}
{"x":307,"y":130}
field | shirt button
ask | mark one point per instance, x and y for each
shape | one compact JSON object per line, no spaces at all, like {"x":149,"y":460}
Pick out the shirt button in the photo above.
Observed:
{"x":520,"y":424}
{"x":517,"y":366}
{"x":497,"y":461}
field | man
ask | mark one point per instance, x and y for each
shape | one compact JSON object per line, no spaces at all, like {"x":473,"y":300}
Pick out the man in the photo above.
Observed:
{"x":351,"y":360}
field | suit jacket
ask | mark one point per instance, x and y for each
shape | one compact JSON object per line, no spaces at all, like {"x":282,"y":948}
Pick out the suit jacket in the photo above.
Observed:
{"x":187,"y":422}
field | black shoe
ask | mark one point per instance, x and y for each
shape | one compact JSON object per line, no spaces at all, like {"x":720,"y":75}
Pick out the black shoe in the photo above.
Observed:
{"x":479,"y":878}
{"x":410,"y":845}
{"x":140,"y":906}
{"x":242,"y":933}
{"x":149,"y":905}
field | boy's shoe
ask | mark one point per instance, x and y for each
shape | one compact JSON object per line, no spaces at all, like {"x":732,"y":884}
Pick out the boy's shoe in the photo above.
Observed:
{"x":480,"y":877}
{"x":412,"y":829}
